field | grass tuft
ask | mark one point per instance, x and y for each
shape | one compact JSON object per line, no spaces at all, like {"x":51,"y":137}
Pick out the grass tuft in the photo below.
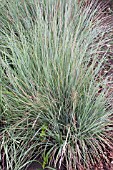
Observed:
{"x":51,"y":55}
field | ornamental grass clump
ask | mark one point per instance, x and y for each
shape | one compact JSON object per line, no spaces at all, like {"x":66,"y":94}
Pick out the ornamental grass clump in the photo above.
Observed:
{"x":51,"y":55}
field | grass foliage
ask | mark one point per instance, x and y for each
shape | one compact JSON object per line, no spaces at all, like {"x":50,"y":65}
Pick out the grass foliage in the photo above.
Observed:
{"x":50,"y":60}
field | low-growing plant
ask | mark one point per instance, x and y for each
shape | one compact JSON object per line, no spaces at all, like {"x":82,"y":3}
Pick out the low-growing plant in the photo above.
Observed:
{"x":51,"y":56}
